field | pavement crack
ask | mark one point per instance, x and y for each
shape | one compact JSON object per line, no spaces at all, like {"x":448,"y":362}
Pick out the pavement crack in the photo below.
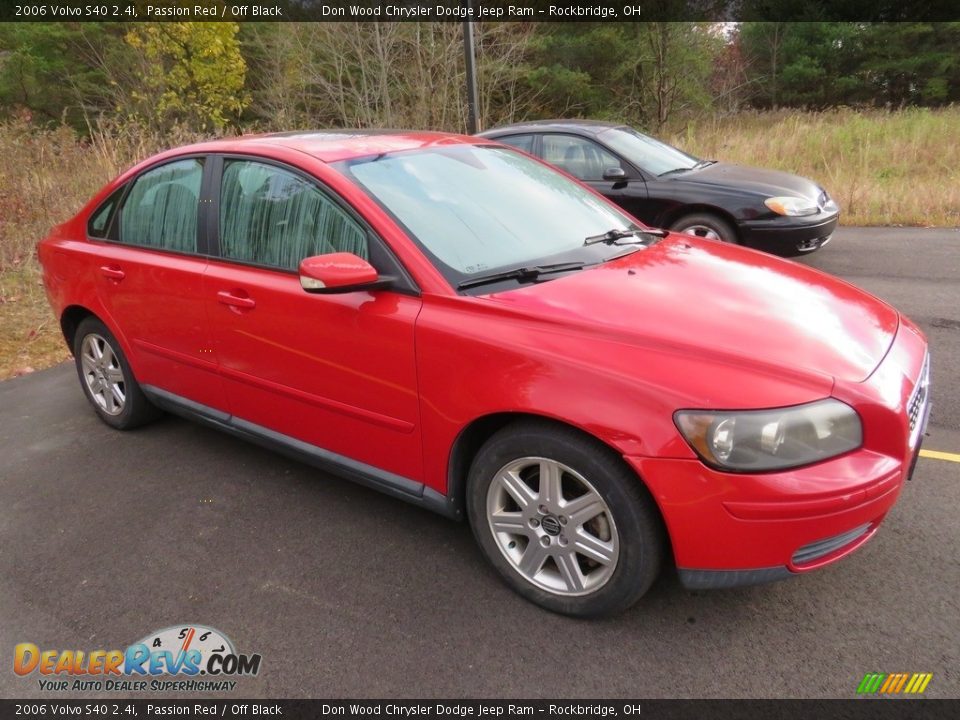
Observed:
{"x":945,"y":323}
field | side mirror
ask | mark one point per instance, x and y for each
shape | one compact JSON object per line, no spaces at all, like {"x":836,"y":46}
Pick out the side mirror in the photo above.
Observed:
{"x":336,"y":273}
{"x":615,"y":174}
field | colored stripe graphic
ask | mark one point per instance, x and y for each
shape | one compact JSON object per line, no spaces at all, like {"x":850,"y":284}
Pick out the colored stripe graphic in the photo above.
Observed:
{"x":898,"y":680}
{"x":890,"y":682}
{"x":903,"y":679}
{"x":870,"y":683}
{"x":894,"y":683}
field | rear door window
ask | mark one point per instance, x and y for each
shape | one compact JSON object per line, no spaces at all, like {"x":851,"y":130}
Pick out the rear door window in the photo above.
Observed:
{"x":161,"y":209}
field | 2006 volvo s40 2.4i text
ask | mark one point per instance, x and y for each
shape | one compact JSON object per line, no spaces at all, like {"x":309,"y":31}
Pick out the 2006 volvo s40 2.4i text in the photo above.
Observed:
{"x":459,"y":325}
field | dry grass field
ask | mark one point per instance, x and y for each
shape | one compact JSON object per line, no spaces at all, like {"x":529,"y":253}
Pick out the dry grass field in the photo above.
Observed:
{"x":46,"y":176}
{"x":899,"y":168}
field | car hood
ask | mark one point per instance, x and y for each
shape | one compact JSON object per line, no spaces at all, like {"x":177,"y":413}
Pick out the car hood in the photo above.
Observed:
{"x":766,"y":183}
{"x":724,"y":303}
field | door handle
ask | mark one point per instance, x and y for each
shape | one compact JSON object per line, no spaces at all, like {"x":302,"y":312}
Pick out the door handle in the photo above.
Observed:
{"x":228,"y":298}
{"x":112,"y":271}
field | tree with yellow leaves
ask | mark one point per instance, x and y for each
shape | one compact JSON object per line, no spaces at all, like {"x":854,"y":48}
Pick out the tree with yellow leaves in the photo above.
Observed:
{"x":193,"y":74}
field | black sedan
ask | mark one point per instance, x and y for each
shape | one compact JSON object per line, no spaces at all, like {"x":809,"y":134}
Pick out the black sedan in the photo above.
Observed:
{"x":666,"y":187}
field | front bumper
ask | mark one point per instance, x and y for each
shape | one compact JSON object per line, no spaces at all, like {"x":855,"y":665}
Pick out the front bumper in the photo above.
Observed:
{"x":789,"y":235}
{"x":729,"y":529}
{"x":823,"y":551}
{"x":757,"y":528}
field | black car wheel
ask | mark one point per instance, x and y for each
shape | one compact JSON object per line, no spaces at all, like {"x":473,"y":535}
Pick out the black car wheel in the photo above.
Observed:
{"x":706,"y":226}
{"x":563,"y":520}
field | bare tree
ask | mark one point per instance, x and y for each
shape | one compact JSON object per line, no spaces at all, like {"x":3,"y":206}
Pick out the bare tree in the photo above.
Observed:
{"x":383,"y":74}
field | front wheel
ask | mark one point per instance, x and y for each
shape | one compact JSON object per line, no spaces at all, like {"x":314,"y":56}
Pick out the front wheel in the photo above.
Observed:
{"x":563,"y":521}
{"x":707,"y":226}
{"x":107,"y":379}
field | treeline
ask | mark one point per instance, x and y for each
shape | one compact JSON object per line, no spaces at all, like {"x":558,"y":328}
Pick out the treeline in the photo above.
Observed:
{"x":218,"y":77}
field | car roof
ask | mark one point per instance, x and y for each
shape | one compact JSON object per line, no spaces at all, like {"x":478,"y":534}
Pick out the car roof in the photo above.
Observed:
{"x":333,"y":145}
{"x":582,"y":127}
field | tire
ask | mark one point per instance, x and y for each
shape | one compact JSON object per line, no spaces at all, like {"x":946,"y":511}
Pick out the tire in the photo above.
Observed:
{"x":707,"y":226}
{"x":585,"y":555}
{"x":106,"y":378}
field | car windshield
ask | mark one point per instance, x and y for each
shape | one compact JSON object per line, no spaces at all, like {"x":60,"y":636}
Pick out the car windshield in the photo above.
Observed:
{"x":479,"y":208}
{"x":647,"y":153}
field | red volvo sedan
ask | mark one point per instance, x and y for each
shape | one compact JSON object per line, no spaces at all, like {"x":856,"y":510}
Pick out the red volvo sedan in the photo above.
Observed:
{"x":463,"y":327}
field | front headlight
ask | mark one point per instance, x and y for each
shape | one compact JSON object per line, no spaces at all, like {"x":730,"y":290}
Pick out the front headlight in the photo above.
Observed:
{"x":762,"y":440}
{"x":792,"y":206}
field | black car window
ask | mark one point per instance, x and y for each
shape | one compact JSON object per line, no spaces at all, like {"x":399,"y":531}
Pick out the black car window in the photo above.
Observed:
{"x":161,"y":209}
{"x":582,"y":158}
{"x":520,"y":142}
{"x":648,"y":153}
{"x":270,"y":216}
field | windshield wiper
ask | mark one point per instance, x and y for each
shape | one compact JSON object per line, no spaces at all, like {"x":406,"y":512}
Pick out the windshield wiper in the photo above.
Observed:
{"x":703,"y":164}
{"x":612,"y":236}
{"x":521,"y":273}
{"x":676,"y":170}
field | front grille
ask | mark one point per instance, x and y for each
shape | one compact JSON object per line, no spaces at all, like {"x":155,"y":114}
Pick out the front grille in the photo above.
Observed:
{"x":917,"y":405}
{"x":813,"y":243}
{"x":821,"y":548}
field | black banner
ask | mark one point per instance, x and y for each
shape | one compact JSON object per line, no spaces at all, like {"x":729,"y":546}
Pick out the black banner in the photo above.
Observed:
{"x":857,"y":709}
{"x":478,"y":10}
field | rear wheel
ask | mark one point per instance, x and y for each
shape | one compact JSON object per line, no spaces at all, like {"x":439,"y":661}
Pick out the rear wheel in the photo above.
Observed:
{"x":106,"y":378}
{"x":707,"y":226}
{"x":561,"y":518}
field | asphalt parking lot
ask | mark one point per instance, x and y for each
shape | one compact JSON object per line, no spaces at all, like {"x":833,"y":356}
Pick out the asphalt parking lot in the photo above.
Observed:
{"x":106,"y":536}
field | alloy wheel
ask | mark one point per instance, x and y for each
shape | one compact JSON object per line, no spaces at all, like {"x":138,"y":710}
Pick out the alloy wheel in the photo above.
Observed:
{"x":553,"y":526}
{"x":103,"y":374}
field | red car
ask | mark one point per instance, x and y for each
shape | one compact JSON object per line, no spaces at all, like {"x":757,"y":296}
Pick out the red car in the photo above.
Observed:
{"x":463,"y":327}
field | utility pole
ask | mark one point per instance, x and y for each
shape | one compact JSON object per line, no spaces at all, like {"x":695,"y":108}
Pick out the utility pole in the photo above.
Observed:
{"x":469,"y":61}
